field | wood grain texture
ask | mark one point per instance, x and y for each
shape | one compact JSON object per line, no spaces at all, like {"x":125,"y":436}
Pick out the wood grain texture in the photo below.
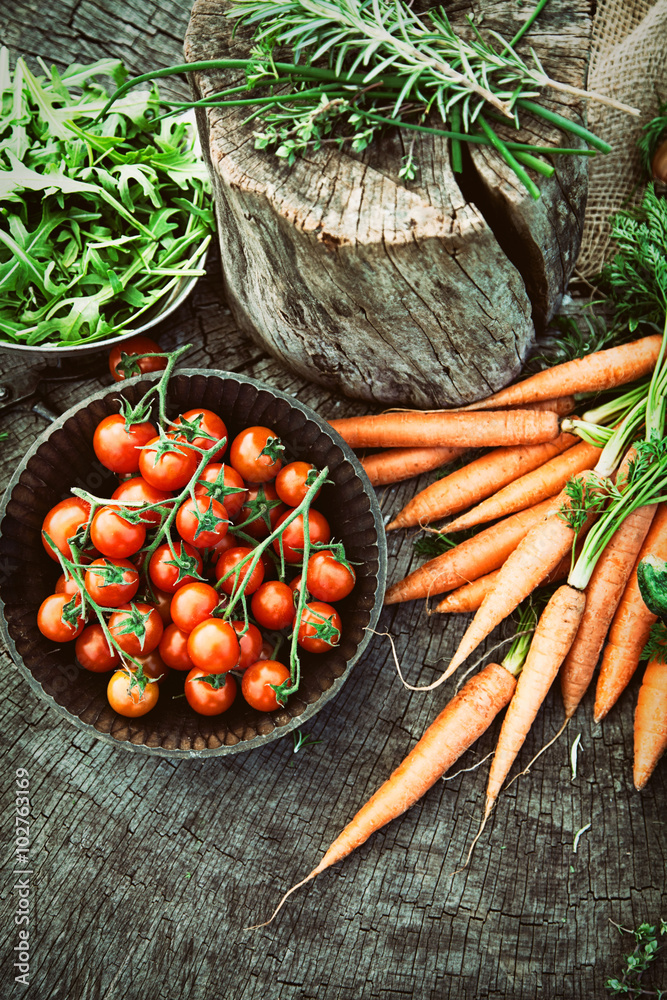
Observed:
{"x":422,"y":294}
{"x":146,"y":871}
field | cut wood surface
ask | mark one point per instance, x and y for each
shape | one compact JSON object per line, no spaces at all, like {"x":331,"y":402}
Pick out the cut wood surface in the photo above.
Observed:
{"x":424,"y":293}
{"x":146,"y":871}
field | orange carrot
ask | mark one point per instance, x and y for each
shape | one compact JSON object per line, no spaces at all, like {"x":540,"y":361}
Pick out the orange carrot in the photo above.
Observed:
{"x":630,"y":627}
{"x":471,"y":559}
{"x":543,"y":482}
{"x":536,"y":555}
{"x":595,"y":372}
{"x":461,"y":430}
{"x":477,"y":480}
{"x":552,"y":639}
{"x":461,"y":722}
{"x":650,"y":722}
{"x":397,"y":464}
{"x":470,"y":596}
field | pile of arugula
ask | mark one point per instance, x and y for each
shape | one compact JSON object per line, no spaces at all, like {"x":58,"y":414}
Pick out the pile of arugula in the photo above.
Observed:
{"x":98,"y":220}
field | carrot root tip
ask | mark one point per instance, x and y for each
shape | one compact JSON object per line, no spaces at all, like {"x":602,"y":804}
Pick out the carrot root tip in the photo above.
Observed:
{"x":256,"y":927}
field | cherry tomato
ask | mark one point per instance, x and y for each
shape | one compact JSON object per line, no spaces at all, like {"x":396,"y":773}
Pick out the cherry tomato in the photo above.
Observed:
{"x":117,"y":448}
{"x":113,"y":535}
{"x":250,"y":643}
{"x":208,"y":423}
{"x":162,"y":601}
{"x":165,"y":575}
{"x":93,"y":651}
{"x":261,"y":503}
{"x":293,"y":539}
{"x":213,"y":646}
{"x":255,"y":454}
{"x":322,"y":618}
{"x":273,"y":605}
{"x":227,"y":542}
{"x":173,"y":648}
{"x":328,"y":579}
{"x":137,"y":489}
{"x":128,"y":700}
{"x":228,"y":561}
{"x":295,"y":585}
{"x":62,"y":523}
{"x":266,"y":652}
{"x":144,"y":628}
{"x":131,"y":367}
{"x":152,"y":665}
{"x":291,"y":482}
{"x":202,"y":522}
{"x":172,"y":469}
{"x":205,"y":696}
{"x":116,"y":585}
{"x":256,"y":681}
{"x":66,"y":586}
{"x":50,"y":622}
{"x":193,"y":604}
{"x":208,"y":485}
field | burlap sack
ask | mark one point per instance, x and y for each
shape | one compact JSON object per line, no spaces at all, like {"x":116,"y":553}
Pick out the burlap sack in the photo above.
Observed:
{"x":628,"y":62}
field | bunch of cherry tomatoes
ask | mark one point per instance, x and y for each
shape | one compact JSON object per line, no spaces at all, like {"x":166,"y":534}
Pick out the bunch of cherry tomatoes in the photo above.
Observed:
{"x":189,"y":560}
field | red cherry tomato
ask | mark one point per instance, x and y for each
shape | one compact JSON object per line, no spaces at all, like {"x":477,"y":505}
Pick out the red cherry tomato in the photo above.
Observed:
{"x":152,"y":665}
{"x":128,"y":699}
{"x":227,"y":542}
{"x":202,"y":522}
{"x":291,"y":482}
{"x":62,"y":522}
{"x":173,"y":648}
{"x":213,"y":646}
{"x":228,"y":561}
{"x":162,"y":601}
{"x":50,"y":622}
{"x":250,"y":643}
{"x":261,"y":504}
{"x":66,"y":586}
{"x":93,"y":651}
{"x":172,"y":469}
{"x":266,"y":652}
{"x":209,"y":695}
{"x":144,"y":625}
{"x":113,"y":535}
{"x":129,"y":367}
{"x":208,"y":423}
{"x":115,"y":584}
{"x":328,"y":579}
{"x":273,"y":605}
{"x":117,"y":448}
{"x":193,"y":604}
{"x":165,"y":575}
{"x":319,"y":618}
{"x":256,"y":681}
{"x":293,"y":538}
{"x":215,"y":480}
{"x":255,"y":454}
{"x":137,"y":489}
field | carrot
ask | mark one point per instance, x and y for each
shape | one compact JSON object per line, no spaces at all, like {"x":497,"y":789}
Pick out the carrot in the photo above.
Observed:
{"x":630,"y":627}
{"x":470,"y":596}
{"x":593,"y":373}
{"x":397,"y":464}
{"x":460,"y":430}
{"x":471,"y":559}
{"x":650,"y":722}
{"x":461,"y":722}
{"x":537,"y":554}
{"x":529,"y":489}
{"x":477,"y":480}
{"x":603,"y":593}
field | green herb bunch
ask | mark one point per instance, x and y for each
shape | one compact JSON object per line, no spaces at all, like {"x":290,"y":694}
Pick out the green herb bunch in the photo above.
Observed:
{"x":359,"y":66}
{"x":98,"y":220}
{"x":638,"y":961}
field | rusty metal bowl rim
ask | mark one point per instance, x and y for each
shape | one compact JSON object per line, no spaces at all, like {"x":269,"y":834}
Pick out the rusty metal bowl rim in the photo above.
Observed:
{"x":311,"y":709}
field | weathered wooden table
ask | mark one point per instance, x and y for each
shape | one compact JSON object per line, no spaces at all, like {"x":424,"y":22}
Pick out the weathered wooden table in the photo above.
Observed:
{"x":144,"y":872}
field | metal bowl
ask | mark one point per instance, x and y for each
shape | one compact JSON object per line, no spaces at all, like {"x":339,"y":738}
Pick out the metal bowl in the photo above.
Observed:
{"x":155,"y":315}
{"x":63,"y":457}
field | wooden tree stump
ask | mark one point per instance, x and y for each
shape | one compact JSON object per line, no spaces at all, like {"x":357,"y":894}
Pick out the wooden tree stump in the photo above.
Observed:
{"x":425,"y":293}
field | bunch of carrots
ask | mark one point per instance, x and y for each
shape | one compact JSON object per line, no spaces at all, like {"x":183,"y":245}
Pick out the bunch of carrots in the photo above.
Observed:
{"x":575,"y":499}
